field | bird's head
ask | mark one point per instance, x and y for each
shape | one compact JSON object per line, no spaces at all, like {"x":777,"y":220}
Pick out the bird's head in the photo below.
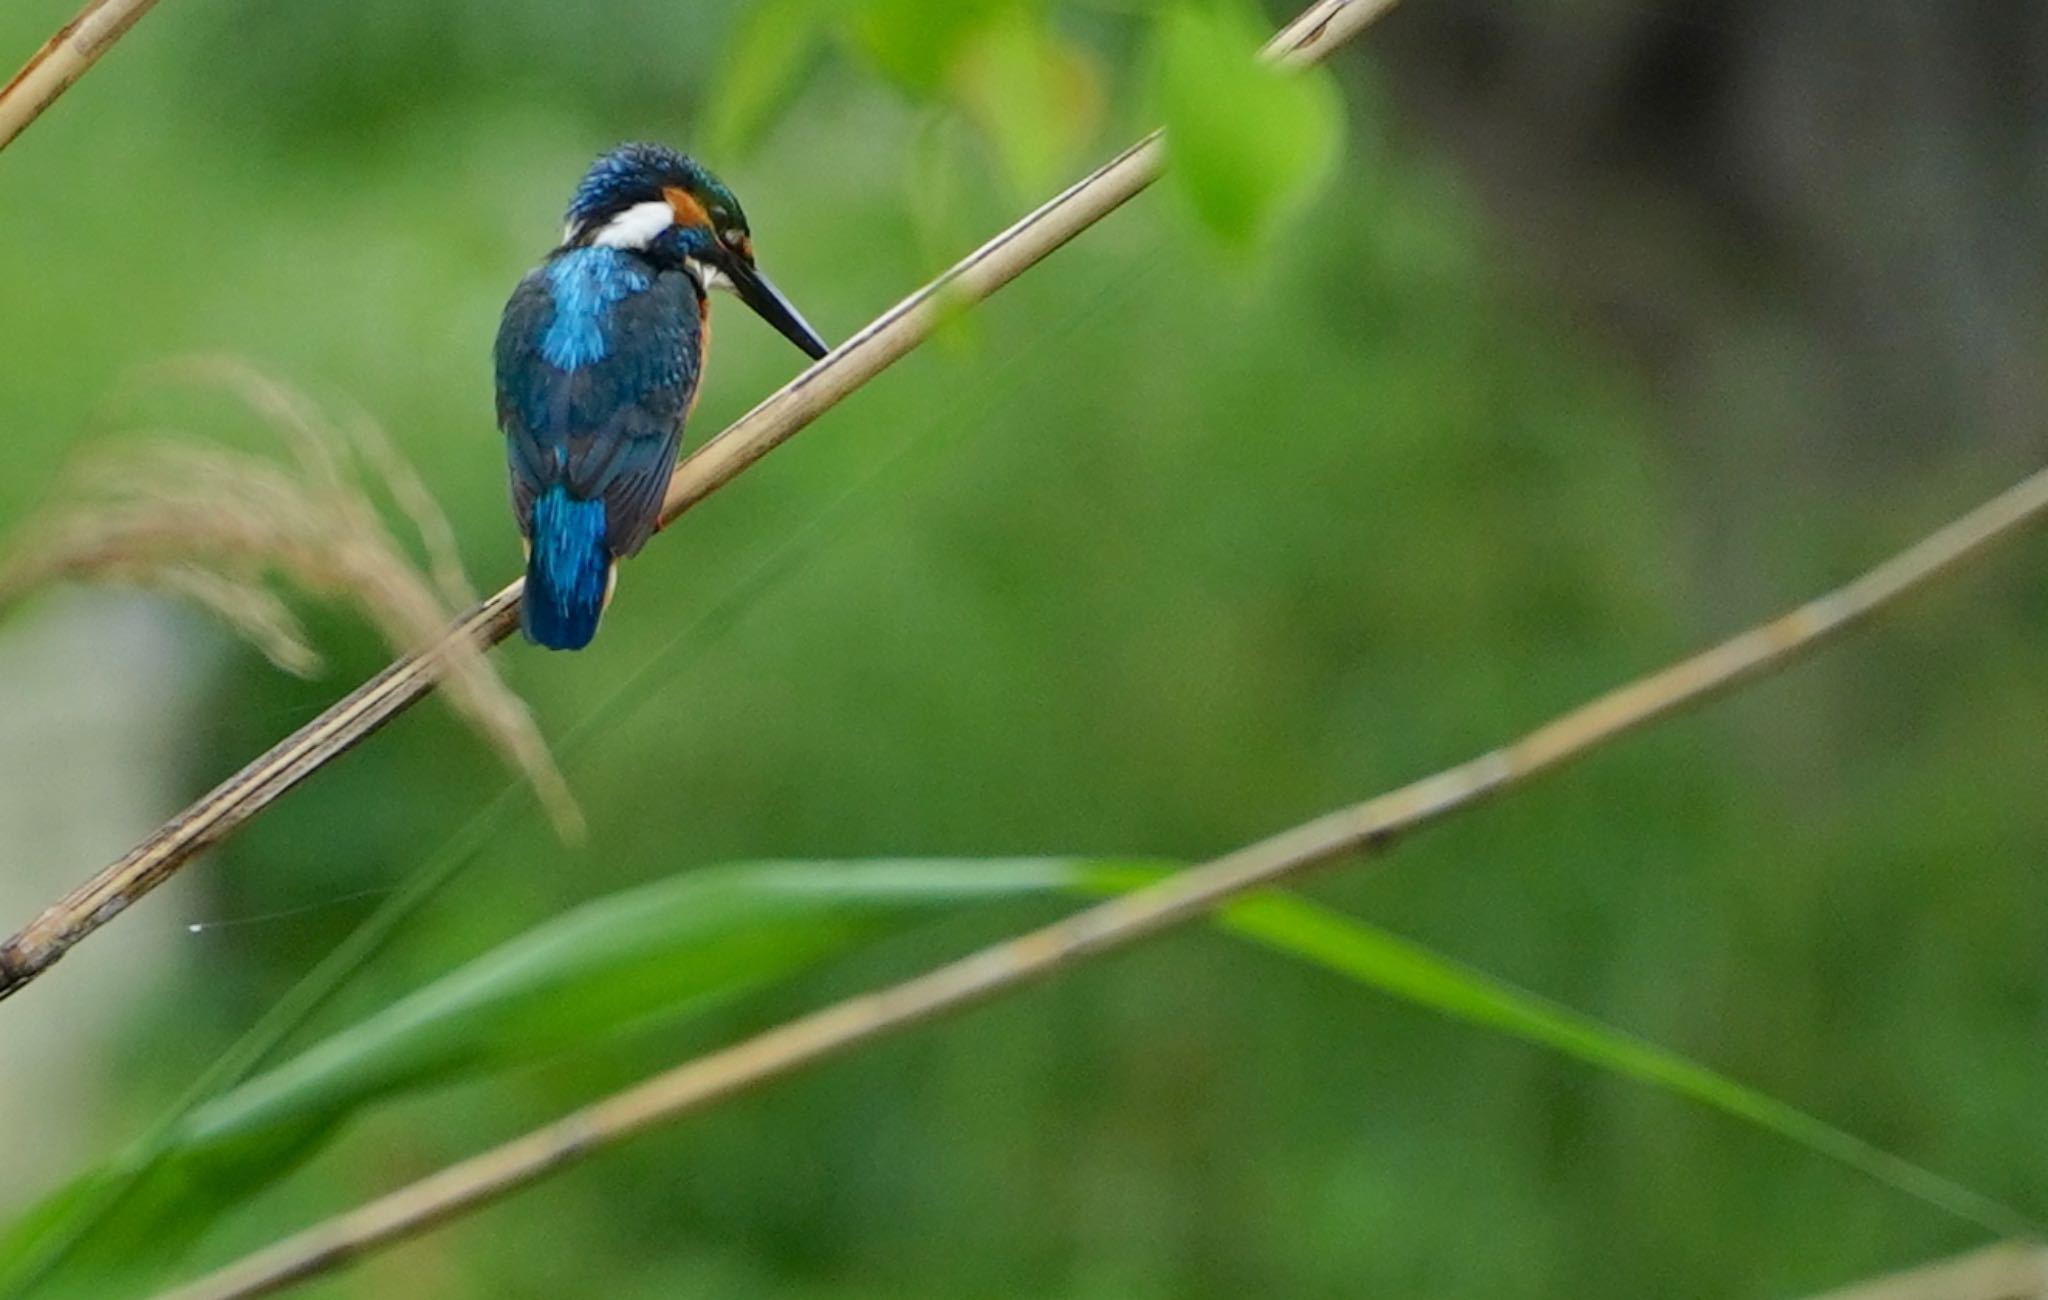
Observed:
{"x":666,"y":207}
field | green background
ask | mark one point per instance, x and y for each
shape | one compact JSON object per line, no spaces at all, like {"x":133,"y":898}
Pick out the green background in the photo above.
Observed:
{"x":1177,"y":542}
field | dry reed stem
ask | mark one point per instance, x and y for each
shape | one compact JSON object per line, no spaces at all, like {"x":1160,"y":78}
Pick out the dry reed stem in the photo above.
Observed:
{"x":1369,"y":827}
{"x":1324,"y":26}
{"x":218,"y":525}
{"x":2013,"y":1270}
{"x":63,"y":60}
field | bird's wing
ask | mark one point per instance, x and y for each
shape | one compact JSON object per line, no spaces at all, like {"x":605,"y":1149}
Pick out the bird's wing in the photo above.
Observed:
{"x":609,"y":429}
{"x":635,"y":403}
{"x":523,"y":403}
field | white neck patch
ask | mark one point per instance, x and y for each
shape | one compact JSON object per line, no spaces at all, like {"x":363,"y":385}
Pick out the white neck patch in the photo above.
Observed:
{"x":637,"y":226}
{"x":708,"y":277}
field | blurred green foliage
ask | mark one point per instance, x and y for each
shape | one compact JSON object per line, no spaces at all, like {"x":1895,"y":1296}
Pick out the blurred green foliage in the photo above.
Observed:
{"x":666,"y":951}
{"x":1169,"y":553}
{"x":1249,"y":141}
{"x":658,"y":953}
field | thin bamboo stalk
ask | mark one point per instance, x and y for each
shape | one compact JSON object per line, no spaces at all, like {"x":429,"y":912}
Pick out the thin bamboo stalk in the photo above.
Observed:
{"x":63,"y":59}
{"x":1321,"y":28}
{"x":2012,"y":1270}
{"x":1369,"y":827}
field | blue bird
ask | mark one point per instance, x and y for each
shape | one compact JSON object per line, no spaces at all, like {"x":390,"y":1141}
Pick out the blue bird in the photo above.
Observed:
{"x":599,"y":353}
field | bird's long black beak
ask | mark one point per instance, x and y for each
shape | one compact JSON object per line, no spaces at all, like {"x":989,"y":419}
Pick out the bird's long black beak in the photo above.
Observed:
{"x":768,"y":302}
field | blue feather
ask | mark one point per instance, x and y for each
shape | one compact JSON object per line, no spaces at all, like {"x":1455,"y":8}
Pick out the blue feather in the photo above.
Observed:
{"x":633,"y":173}
{"x":586,"y":283}
{"x":568,"y":571}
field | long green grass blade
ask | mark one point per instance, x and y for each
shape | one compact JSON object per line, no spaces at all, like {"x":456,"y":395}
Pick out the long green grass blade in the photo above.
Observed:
{"x":664,"y":951}
{"x":1406,"y":970}
{"x":659,"y":952}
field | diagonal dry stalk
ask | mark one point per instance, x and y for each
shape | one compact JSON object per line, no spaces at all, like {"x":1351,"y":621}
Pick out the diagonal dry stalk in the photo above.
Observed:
{"x":1369,"y":827}
{"x":1325,"y":25}
{"x":222,"y":527}
{"x":63,"y":59}
{"x":2010,"y":1270}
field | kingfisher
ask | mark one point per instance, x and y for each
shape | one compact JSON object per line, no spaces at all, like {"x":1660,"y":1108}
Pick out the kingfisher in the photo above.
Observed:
{"x":599,"y":355}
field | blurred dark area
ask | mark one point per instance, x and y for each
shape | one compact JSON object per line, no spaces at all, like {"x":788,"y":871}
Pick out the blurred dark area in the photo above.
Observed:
{"x":1860,"y":182}
{"x":1619,"y":326}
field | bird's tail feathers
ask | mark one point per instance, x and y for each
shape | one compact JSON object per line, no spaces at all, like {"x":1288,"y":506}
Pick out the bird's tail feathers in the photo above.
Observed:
{"x":568,"y":571}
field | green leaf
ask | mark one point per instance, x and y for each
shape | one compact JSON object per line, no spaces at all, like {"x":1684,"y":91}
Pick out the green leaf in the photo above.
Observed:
{"x":1035,"y":95}
{"x":667,"y":950}
{"x":1410,"y":972}
{"x":1403,"y":969}
{"x":771,"y":46}
{"x":1247,"y":143}
{"x":664,"y":951}
{"x":915,"y":42}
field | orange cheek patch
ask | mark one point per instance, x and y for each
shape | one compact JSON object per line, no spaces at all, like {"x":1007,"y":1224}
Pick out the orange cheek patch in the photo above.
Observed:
{"x":688,"y":211}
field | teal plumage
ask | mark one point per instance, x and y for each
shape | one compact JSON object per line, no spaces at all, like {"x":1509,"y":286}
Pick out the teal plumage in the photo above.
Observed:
{"x":568,"y":572}
{"x":598,"y":357}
